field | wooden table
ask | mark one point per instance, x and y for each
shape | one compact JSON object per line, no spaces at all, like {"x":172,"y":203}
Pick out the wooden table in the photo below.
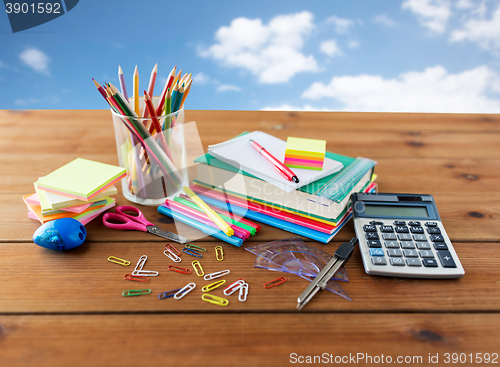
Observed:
{"x":66,"y":309}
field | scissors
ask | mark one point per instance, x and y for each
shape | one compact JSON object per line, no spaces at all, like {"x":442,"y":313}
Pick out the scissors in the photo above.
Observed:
{"x":136,"y":222}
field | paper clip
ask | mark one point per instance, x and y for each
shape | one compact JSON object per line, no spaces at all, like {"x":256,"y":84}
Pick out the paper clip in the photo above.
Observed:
{"x":275,"y":282}
{"x":217,"y":274}
{"x":197,"y":268}
{"x":212,"y":286}
{"x":168,"y":253}
{"x":168,"y":294}
{"x":138,"y":268}
{"x":219,"y":253}
{"x":184,"y":290}
{"x":118,"y":261}
{"x":233,"y":287}
{"x":135,"y":292}
{"x":194,"y":247}
{"x":242,"y":296}
{"x":191,"y":252}
{"x":136,"y":278}
{"x":215,"y":299}
{"x":179,"y":269}
{"x":172,"y":249}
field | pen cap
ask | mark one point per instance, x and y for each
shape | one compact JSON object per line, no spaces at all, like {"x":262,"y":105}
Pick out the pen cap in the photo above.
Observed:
{"x":60,"y":234}
{"x":345,"y":250}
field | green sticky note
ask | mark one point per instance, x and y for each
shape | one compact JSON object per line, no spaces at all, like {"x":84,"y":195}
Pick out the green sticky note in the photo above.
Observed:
{"x":81,"y":178}
{"x":305,"y":147}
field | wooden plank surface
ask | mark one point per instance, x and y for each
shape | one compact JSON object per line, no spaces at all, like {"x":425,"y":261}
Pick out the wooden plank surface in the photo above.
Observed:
{"x":60,"y":309}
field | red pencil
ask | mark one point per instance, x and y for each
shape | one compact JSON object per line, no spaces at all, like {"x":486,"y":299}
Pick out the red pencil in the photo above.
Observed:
{"x":168,"y":83}
{"x":149,"y":106}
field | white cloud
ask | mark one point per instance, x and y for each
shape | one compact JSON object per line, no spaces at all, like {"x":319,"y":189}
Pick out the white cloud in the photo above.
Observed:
{"x":271,"y":52}
{"x":353,"y":44}
{"x":384,"y":20}
{"x":432,"y":90}
{"x":486,"y":32}
{"x":433,"y":14}
{"x":36,"y":60}
{"x":342,"y":25}
{"x":201,"y":78}
{"x":227,"y":88}
{"x":330,"y":48}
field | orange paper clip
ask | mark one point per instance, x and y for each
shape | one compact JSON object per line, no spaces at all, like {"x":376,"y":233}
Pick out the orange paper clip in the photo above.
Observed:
{"x":275,"y":282}
{"x":179,"y":269}
{"x":136,"y":278}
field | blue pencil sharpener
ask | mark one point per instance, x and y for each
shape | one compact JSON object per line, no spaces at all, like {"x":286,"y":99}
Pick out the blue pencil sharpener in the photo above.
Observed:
{"x":60,"y":234}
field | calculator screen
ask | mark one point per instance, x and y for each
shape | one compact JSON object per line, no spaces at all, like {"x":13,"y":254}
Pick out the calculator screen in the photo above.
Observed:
{"x":396,"y":211}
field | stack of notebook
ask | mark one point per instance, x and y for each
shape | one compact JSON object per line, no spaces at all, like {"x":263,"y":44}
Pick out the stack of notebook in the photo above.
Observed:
{"x":80,"y":189}
{"x":234,"y":177}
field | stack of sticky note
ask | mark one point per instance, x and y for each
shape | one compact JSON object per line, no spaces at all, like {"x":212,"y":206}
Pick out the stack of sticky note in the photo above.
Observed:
{"x":80,"y":189}
{"x":305,"y":153}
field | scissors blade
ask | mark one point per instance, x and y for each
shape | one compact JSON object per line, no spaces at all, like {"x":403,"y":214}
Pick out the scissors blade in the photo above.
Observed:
{"x":166,"y":234}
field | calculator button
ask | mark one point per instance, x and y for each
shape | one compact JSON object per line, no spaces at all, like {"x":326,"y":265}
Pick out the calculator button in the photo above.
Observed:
{"x":416,"y":230}
{"x":399,"y":223}
{"x":404,"y":237}
{"x":431,"y":224}
{"x":371,"y":236}
{"x":397,"y":261}
{"x":420,"y":237}
{"x":375,"y":222}
{"x":410,"y":253}
{"x":374,"y":244}
{"x":430,"y":263}
{"x":436,"y":237}
{"x":377,"y":260}
{"x":433,"y":230}
{"x":406,"y":244}
{"x":370,"y":228}
{"x":394,"y":253}
{"x":413,"y":262}
{"x":423,"y":245}
{"x":426,"y":254}
{"x":376,"y":252}
{"x":413,"y":223}
{"x":402,"y":229}
{"x":387,"y":229}
{"x":391,"y":244}
{"x":440,"y":246}
{"x":389,"y":236}
{"x":446,"y":259}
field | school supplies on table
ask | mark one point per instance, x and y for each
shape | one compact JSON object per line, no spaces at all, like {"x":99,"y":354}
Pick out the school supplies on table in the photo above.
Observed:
{"x":280,"y":167}
{"x":341,"y":256}
{"x":60,"y":234}
{"x":239,"y":153}
{"x":305,"y":153}
{"x":136,"y":221}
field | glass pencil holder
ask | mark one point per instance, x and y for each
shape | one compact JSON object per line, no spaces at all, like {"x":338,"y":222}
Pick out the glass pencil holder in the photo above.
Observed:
{"x":153,"y":151}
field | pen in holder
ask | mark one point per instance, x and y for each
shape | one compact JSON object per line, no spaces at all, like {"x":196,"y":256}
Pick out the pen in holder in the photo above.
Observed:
{"x":153,"y":151}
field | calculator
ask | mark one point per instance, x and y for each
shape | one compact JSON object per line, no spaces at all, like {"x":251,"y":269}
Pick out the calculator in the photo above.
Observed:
{"x":401,"y":235}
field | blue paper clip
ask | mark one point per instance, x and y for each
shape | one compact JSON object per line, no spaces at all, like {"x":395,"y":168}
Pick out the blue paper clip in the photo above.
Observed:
{"x":191,"y":252}
{"x":168,"y":294}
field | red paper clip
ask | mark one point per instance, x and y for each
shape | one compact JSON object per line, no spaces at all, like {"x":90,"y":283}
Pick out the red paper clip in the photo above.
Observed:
{"x":233,"y":287}
{"x":179,"y":269}
{"x":136,"y":278}
{"x":172,"y":248}
{"x":275,"y":282}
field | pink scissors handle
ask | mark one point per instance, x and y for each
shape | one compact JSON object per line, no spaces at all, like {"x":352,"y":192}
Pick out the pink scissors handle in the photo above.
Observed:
{"x":137,"y":217}
{"x":124,"y":223}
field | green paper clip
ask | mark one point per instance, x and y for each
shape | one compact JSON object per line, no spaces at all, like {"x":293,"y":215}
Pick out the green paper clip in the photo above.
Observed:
{"x":135,"y":292}
{"x":194,"y":247}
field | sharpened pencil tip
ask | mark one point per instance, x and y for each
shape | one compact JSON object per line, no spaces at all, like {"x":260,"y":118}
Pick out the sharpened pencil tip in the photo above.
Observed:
{"x":120,"y":71}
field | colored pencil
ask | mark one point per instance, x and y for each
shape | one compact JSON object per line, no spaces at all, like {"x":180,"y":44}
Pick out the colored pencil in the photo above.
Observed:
{"x":122,"y":82}
{"x":136,"y":90}
{"x":186,"y":92}
{"x":178,"y":99}
{"x":168,"y":84}
{"x":151,"y":109}
{"x":101,"y":90}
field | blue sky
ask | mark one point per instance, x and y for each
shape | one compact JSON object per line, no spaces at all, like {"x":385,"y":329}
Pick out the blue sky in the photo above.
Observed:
{"x":391,"y":55}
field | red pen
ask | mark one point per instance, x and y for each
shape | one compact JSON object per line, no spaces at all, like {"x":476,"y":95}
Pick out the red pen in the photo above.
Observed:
{"x":280,"y":167}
